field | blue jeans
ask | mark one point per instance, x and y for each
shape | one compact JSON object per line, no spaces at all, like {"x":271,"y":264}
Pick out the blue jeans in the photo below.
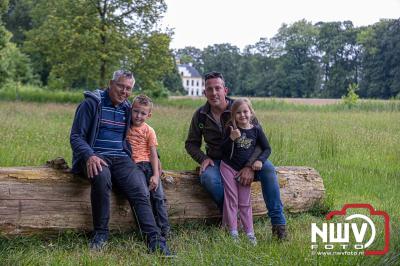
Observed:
{"x":157,"y":199}
{"x":212,"y":181}
{"x":129,"y":179}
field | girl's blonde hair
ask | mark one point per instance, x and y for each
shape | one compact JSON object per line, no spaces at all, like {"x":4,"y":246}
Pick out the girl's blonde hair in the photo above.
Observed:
{"x":235,"y":106}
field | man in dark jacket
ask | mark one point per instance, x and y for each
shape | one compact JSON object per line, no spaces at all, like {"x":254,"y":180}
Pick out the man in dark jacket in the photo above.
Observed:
{"x":101,"y":152}
{"x":209,"y":122}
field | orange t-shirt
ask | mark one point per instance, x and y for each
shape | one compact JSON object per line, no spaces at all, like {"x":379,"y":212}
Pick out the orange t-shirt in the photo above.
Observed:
{"x":141,"y":139}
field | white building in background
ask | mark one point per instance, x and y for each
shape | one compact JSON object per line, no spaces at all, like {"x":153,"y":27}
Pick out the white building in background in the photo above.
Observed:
{"x":192,"y":81}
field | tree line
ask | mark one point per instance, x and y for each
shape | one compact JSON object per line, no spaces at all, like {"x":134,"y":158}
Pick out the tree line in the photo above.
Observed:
{"x":310,"y":60}
{"x":78,"y":44}
{"x":66,"y":45}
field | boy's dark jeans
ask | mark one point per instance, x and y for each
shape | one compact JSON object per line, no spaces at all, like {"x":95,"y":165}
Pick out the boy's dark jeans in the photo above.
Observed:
{"x":157,"y":199}
{"x":123,"y":173}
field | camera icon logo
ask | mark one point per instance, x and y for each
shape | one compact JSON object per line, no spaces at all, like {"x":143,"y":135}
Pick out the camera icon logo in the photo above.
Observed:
{"x":335,"y":236}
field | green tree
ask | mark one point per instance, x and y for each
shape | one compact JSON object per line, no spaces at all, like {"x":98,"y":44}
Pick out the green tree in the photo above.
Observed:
{"x":17,"y":19}
{"x":4,"y":52}
{"x":340,"y":57}
{"x":255,"y":69}
{"x":84,"y":41}
{"x":173,"y":81}
{"x":248,"y":74}
{"x":380,"y":59}
{"x":4,"y":34}
{"x":297,"y":70}
{"x":224,"y":58}
{"x":14,"y":65}
{"x":150,"y":59}
{"x":193,"y":55}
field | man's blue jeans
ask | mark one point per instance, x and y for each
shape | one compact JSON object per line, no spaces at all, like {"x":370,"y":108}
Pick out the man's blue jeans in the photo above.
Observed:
{"x":212,"y":181}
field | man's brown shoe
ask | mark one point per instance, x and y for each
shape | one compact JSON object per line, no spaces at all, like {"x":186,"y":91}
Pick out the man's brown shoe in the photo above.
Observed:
{"x":279,"y":232}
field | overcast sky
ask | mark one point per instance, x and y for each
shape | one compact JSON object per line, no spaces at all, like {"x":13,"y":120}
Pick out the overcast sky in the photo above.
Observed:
{"x":201,"y":23}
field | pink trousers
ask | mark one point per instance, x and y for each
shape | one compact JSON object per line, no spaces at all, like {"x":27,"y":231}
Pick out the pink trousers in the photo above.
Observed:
{"x":237,"y":200}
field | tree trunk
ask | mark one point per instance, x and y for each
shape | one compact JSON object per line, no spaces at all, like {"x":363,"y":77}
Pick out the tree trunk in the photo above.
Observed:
{"x":43,"y":199}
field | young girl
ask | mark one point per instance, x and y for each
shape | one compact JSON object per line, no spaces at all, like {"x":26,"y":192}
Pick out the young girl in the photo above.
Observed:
{"x":242,"y":136}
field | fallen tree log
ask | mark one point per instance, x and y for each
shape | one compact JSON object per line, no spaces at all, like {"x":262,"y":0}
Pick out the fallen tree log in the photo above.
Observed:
{"x":44,"y":199}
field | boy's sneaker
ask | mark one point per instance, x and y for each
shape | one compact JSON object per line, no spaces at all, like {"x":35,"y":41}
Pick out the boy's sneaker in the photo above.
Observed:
{"x":166,"y":233}
{"x":98,"y":241}
{"x":161,"y":247}
{"x":252,"y":240}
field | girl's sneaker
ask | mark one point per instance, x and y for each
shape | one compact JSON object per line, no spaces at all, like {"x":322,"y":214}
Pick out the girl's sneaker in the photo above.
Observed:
{"x":235,"y":236}
{"x":252,"y":239}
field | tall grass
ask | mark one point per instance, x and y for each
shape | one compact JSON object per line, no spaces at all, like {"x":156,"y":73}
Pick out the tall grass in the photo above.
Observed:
{"x":281,"y":105}
{"x":28,"y":93}
{"x":356,"y":152}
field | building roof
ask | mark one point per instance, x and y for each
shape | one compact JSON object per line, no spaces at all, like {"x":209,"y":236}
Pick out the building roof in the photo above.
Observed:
{"x":193,"y":72}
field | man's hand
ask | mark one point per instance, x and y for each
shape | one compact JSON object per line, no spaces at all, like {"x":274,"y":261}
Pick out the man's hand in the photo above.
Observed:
{"x":235,"y":133}
{"x":205,"y":164}
{"x":153,"y":183}
{"x":93,"y":165}
{"x":246,"y":176}
{"x":257,"y":165}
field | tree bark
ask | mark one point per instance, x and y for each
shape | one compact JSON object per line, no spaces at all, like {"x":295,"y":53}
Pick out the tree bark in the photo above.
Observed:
{"x":43,"y":199}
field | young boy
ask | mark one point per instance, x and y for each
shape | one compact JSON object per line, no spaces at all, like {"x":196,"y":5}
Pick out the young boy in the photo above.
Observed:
{"x":143,"y":141}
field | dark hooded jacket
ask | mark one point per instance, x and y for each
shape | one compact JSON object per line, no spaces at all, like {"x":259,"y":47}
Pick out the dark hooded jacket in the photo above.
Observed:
{"x":203,"y":125}
{"x":85,"y":128}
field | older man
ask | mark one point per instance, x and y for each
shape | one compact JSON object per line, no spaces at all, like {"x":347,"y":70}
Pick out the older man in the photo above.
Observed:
{"x":209,"y":122}
{"x":101,"y":152}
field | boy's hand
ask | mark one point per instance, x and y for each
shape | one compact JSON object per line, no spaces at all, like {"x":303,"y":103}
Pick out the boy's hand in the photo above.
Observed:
{"x":153,"y":183}
{"x":235,"y":133}
{"x":257,"y":165}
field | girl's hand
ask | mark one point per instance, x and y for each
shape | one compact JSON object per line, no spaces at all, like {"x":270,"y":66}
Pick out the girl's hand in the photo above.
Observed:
{"x":257,"y":165}
{"x":235,"y":133}
{"x":153,"y":183}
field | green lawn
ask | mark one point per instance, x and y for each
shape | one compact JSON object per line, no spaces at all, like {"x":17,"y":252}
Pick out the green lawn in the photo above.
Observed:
{"x":357,"y":152}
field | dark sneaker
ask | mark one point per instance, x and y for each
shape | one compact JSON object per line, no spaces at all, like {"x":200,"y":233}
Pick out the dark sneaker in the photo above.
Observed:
{"x":279,"y":232}
{"x":166,"y":233}
{"x":98,"y":241}
{"x":162,"y":248}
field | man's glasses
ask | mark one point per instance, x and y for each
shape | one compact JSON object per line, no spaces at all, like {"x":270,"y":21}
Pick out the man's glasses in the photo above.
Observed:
{"x":121,"y":87}
{"x":213,"y":75}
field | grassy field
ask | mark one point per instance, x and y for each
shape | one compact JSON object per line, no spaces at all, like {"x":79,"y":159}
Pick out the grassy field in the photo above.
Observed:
{"x":356,"y":151}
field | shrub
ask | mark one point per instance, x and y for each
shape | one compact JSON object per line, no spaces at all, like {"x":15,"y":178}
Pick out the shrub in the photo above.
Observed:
{"x":352,"y":97}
